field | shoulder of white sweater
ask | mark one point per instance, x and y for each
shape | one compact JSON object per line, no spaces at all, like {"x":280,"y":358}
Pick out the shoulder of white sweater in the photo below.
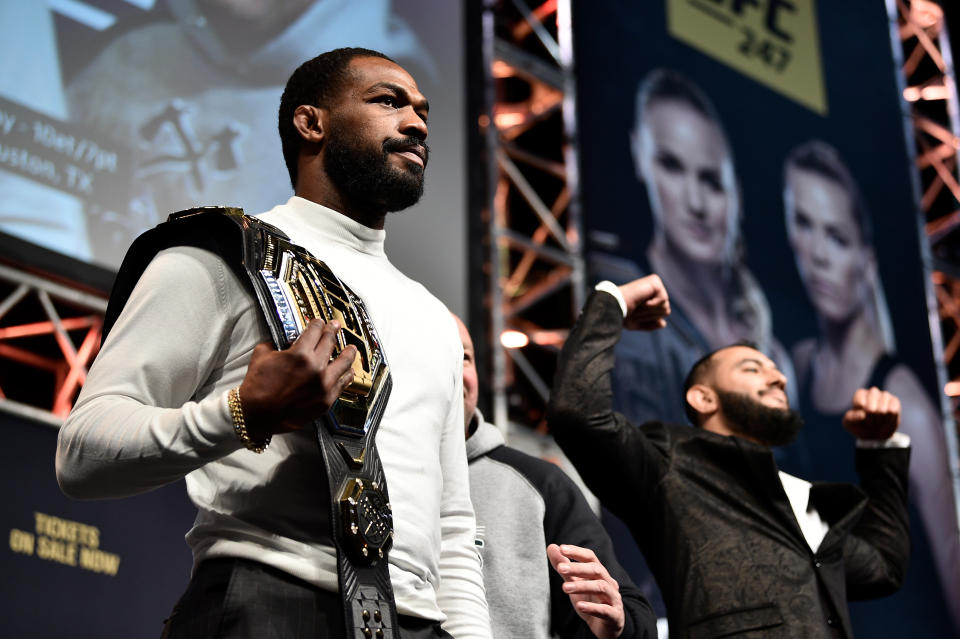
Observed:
{"x":197,"y":271}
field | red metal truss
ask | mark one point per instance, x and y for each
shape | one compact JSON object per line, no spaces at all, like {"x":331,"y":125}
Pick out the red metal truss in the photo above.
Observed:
{"x":49,"y":335}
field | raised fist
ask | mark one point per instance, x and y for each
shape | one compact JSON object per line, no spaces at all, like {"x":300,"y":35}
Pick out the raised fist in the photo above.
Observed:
{"x":647,"y":303}
{"x":874,"y":414}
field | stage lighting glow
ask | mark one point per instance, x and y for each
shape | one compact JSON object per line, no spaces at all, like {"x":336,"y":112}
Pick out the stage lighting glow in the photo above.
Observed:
{"x":506,"y":120}
{"x":925,"y":13}
{"x":551,"y":338}
{"x":513,"y":339}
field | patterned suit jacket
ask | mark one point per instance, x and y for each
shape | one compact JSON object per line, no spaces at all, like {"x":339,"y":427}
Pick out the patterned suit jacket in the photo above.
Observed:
{"x":710,"y":514}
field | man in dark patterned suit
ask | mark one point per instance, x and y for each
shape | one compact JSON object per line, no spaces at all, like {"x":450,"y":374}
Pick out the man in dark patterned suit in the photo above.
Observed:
{"x":738,"y":547}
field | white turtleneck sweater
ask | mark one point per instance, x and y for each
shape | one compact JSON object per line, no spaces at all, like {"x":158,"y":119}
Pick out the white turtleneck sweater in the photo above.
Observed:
{"x":154,"y":409}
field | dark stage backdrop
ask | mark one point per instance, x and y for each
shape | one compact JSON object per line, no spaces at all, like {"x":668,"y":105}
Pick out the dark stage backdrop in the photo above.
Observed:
{"x":115,"y":113}
{"x":93,"y":569}
{"x":755,"y":155}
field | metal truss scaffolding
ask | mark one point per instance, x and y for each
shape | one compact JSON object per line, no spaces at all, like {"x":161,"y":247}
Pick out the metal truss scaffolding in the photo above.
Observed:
{"x":931,"y":90}
{"x":535,"y":269}
{"x":49,"y":334}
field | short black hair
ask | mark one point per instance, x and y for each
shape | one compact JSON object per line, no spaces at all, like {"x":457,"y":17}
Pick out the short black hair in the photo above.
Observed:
{"x":315,"y":82}
{"x":700,"y":369}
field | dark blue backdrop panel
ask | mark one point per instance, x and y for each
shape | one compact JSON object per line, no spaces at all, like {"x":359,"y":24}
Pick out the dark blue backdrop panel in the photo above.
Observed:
{"x":60,"y":583}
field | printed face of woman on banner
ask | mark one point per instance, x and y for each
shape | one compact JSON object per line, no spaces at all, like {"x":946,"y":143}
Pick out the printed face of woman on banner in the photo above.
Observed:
{"x":683,"y":157}
{"x":831,"y":235}
{"x":837,"y":266}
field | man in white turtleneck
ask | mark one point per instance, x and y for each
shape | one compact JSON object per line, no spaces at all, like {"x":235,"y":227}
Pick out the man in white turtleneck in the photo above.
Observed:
{"x":156,"y":404}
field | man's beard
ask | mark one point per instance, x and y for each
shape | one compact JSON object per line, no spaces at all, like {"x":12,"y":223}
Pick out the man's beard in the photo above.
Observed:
{"x":753,"y":420}
{"x":366,"y":178}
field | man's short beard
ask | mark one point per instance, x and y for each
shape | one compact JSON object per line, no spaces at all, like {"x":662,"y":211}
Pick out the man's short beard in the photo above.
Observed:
{"x":753,"y":420}
{"x":366,"y":178}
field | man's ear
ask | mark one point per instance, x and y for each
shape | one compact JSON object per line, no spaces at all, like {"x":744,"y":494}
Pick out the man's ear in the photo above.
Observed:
{"x":703,"y":399}
{"x":310,"y":122}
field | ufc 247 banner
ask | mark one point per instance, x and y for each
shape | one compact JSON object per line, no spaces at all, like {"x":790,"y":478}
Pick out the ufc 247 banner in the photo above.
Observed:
{"x":755,"y":156}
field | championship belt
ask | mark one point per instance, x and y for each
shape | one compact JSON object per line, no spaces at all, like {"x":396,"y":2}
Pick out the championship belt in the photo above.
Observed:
{"x":293,"y":288}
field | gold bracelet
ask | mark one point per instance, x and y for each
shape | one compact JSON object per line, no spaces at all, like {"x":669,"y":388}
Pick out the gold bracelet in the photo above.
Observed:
{"x":240,"y":426}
